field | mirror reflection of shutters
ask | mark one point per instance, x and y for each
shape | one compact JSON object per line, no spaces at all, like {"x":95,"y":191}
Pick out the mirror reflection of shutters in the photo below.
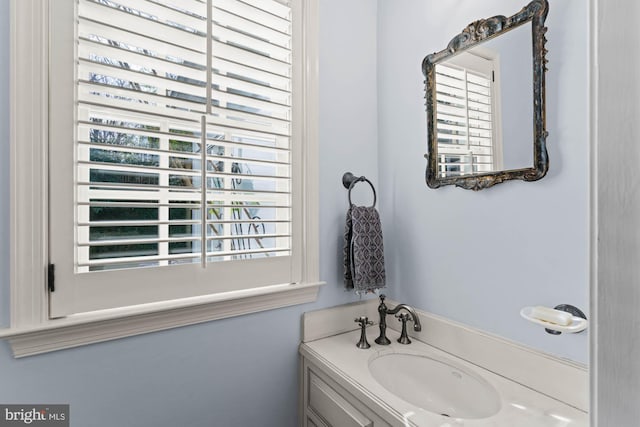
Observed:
{"x":464,"y":120}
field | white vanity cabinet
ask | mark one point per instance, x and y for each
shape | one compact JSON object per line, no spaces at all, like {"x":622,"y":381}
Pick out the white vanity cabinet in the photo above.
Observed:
{"x":326,"y":404}
{"x":342,"y":385}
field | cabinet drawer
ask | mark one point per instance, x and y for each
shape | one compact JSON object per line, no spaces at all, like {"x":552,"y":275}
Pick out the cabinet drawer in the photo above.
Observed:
{"x":313,"y":420}
{"x":332,"y":407}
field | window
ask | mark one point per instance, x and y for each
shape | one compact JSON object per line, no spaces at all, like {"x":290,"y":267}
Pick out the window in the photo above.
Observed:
{"x":181,"y":147}
{"x":468,"y":126}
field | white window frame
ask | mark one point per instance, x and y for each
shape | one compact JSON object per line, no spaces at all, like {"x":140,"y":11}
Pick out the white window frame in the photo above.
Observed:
{"x":31,"y":331}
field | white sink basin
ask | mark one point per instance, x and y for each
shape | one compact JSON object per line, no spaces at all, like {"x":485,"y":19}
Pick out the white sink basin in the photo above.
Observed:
{"x":438,"y":386}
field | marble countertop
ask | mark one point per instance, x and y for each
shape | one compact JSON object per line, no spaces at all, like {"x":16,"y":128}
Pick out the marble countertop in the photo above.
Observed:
{"x":520,"y":406}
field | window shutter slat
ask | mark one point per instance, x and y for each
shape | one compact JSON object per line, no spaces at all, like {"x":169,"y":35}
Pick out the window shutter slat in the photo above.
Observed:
{"x":264,"y":11}
{"x":236,"y":119}
{"x":133,"y":37}
{"x":266,"y":30}
{"x":98,"y":10}
{"x":250,"y":73}
{"x":262,"y":47}
{"x":255,"y":88}
{"x":162,"y":66}
{"x":251,"y":104}
{"x":191,"y":14}
{"x":141,"y":81}
{"x":246,"y":57}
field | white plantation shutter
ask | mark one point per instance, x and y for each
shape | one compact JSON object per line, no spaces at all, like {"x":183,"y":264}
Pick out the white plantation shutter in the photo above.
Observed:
{"x":183,"y":153}
{"x":467,"y":140}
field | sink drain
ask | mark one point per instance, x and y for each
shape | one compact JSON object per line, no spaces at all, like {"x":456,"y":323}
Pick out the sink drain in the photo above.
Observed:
{"x":446,"y":415}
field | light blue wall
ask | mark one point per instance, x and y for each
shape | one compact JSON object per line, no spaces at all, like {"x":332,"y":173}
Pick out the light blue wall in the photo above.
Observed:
{"x":233,"y":372}
{"x":533,"y":248}
{"x":478,"y":258}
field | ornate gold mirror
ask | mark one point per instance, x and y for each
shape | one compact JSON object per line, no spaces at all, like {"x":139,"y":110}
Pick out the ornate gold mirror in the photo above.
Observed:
{"x":485,"y":103}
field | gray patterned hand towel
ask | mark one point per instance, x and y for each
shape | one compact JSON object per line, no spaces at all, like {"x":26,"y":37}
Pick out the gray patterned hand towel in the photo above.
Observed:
{"x":363,"y":250}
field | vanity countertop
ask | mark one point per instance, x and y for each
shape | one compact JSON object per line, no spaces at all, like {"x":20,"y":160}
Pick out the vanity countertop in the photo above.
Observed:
{"x":520,"y":406}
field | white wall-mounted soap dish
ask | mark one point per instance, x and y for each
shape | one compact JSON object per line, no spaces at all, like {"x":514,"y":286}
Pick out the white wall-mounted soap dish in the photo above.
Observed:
{"x":578,"y":320}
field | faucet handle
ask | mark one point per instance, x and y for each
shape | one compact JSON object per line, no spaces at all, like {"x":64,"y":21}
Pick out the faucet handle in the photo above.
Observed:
{"x":404,"y":317}
{"x":364,"y":322}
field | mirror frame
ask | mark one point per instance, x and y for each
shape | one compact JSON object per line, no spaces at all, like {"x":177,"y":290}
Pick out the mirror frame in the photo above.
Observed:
{"x":474,"y":34}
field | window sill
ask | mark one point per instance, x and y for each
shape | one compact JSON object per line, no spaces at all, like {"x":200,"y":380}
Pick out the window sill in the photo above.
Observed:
{"x":86,"y":329}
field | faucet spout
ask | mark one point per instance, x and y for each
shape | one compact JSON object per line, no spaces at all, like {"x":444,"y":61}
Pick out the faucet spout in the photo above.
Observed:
{"x":414,"y":316}
{"x":383,"y":310}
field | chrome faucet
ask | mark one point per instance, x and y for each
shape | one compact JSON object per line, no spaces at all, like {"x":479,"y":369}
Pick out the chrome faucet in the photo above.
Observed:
{"x":383,"y":311}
